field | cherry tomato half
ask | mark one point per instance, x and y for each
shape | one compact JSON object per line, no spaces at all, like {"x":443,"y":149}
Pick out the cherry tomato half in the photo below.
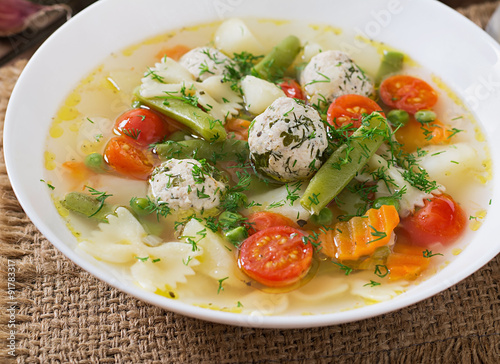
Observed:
{"x":262,"y":220}
{"x":349,"y":109}
{"x":441,"y":220}
{"x":127,"y":158}
{"x":142,"y":125}
{"x":276,"y":257}
{"x":407,"y":93}
{"x":292,"y":89}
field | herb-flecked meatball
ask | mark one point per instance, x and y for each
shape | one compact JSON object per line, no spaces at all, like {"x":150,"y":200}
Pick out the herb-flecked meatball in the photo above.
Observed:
{"x":204,"y":62}
{"x":287,"y":141}
{"x":186,"y":184}
{"x":332,"y":74}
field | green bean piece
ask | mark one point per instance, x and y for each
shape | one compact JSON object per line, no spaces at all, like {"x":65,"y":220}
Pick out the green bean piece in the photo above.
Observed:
{"x":87,"y":205}
{"x":95,"y":162}
{"x":398,"y":117}
{"x":178,"y":136}
{"x":345,"y":163}
{"x":379,"y":202}
{"x":425,"y":116}
{"x":379,"y":257}
{"x":227,"y":150}
{"x":392,"y":62}
{"x":279,"y":59}
{"x":325,"y":217}
{"x":236,"y":235}
{"x":195,"y":119}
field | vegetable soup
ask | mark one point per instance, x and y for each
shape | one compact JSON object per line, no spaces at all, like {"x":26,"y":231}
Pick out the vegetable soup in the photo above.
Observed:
{"x":268,"y":168}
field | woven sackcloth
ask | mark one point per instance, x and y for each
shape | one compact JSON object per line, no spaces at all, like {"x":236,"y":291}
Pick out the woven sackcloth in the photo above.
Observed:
{"x":65,"y":315}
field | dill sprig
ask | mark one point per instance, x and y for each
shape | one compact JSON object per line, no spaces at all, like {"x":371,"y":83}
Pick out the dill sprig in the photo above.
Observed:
{"x":99,"y":196}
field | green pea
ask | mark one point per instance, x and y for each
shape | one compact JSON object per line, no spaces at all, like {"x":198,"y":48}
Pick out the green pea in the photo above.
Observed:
{"x":228,"y":219}
{"x":235,"y":201}
{"x":325,"y":217}
{"x":398,"y":117}
{"x":236,"y":235}
{"x":379,"y":202}
{"x":140,"y":205}
{"x":425,"y":116}
{"x":95,"y":162}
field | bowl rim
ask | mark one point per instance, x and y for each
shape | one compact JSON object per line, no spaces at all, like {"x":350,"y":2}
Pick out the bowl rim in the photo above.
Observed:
{"x":103,"y":8}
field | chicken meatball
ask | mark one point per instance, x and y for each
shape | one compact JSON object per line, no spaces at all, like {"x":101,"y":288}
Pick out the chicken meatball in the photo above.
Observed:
{"x":332,"y":74}
{"x":186,"y":184}
{"x":203,"y":62}
{"x":287,"y":141}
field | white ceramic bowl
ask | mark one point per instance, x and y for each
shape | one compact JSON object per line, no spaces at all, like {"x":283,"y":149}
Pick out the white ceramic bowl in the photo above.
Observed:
{"x":464,"y":56}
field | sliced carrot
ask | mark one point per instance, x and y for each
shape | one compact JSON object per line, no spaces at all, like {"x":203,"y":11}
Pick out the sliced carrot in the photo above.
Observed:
{"x":76,"y":170}
{"x":175,"y":52}
{"x":361,"y":235}
{"x":415,"y":135}
{"x":239,"y":127}
{"x":406,"y":262}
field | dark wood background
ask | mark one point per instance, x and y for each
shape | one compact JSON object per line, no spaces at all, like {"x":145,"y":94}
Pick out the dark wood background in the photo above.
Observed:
{"x":77,"y":5}
{"x":459,"y":3}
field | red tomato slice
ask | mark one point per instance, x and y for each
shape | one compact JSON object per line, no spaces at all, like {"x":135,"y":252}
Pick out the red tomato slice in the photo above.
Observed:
{"x":142,"y":125}
{"x":276,"y":257}
{"x":349,"y":109}
{"x":292,"y":89}
{"x":126,"y":158}
{"x":441,"y":220}
{"x":262,"y":220}
{"x":407,"y":93}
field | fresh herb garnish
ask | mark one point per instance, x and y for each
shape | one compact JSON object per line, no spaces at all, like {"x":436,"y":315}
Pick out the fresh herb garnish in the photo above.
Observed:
{"x":99,"y":196}
{"x":428,"y":253}
{"x":220,"y":284}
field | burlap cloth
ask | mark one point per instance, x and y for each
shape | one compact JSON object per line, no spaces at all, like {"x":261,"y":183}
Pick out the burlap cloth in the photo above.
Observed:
{"x":66,"y":315}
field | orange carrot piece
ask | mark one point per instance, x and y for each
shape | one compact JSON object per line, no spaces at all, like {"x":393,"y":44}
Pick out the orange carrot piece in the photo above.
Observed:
{"x":415,"y":135}
{"x":239,"y":127}
{"x":361,"y":235}
{"x":76,"y":170}
{"x":406,"y":262}
{"x":176,"y":52}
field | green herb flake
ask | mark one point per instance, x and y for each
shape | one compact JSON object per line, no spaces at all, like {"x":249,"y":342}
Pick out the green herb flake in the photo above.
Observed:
{"x":220,"y":284}
{"x":99,"y":196}
{"x":372,"y":284}
{"x":343,"y":267}
{"x":381,"y":270}
{"x":428,"y":253}
{"x":48,"y":184}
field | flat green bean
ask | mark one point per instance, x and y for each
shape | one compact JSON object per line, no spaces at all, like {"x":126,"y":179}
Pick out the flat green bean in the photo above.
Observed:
{"x":227,"y":150}
{"x":86,"y":205}
{"x":279,"y":59}
{"x":343,"y":165}
{"x":195,"y":119}
{"x":392,"y":62}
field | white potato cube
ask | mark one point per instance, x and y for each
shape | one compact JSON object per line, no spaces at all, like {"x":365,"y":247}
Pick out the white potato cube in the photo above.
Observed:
{"x":233,"y":36}
{"x":259,"y":94}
